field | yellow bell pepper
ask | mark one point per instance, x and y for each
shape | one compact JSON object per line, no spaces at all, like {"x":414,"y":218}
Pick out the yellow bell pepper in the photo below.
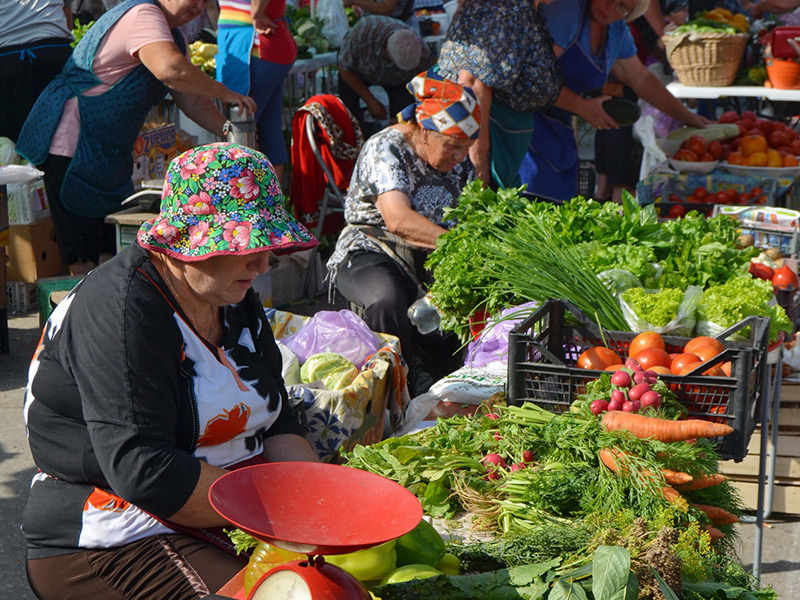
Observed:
{"x":740,"y":22}
{"x":368,"y":564}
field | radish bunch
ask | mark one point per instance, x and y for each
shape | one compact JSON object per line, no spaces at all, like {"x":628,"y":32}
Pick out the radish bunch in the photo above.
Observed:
{"x":631,"y":390}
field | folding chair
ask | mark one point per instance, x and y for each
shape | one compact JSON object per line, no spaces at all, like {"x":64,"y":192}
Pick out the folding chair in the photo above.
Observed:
{"x":332,"y":201}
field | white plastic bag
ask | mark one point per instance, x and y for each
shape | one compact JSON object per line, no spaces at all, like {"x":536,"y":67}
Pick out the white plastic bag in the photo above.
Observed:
{"x":18,"y":174}
{"x":335,"y":21}
{"x":684,"y":322}
{"x":645,"y":130}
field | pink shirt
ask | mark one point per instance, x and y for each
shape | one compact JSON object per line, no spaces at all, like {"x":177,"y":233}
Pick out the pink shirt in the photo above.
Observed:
{"x":117,"y":56}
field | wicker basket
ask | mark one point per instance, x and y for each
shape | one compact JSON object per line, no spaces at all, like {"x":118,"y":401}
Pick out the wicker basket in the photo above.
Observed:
{"x":705,"y":59}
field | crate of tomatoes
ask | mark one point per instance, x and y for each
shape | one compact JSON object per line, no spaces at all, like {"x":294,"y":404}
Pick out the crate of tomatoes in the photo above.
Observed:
{"x":555,"y":352}
{"x":678,"y":196}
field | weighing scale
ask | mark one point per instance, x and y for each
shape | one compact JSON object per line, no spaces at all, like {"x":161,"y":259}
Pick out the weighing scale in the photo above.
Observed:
{"x":314,"y":509}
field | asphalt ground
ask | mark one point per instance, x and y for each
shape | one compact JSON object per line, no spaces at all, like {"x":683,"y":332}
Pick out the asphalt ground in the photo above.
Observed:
{"x":780,"y":566}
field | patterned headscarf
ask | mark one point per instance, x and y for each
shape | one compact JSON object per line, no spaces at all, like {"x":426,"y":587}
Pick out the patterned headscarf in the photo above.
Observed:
{"x":443,"y":105}
{"x":222,"y":199}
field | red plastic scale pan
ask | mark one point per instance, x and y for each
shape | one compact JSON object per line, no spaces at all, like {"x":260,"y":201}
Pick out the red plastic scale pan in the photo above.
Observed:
{"x":315,"y":508}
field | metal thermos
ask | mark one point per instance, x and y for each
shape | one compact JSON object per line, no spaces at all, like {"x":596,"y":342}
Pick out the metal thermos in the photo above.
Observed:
{"x":241,"y":126}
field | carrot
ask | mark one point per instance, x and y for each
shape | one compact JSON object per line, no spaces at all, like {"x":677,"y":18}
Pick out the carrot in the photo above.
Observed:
{"x":701,"y":483}
{"x":609,"y":456}
{"x":670,"y":493}
{"x":714,"y":533}
{"x":662,"y":429}
{"x":719,"y":516}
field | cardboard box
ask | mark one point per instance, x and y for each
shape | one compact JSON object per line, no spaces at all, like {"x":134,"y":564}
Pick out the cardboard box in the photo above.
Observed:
{"x":33,"y":252}
{"x":152,"y":152}
{"x":3,"y":216}
{"x":27,"y":202}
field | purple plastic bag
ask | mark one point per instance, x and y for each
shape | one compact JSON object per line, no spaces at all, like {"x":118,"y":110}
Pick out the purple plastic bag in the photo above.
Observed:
{"x":343,"y":332}
{"x":492,"y":345}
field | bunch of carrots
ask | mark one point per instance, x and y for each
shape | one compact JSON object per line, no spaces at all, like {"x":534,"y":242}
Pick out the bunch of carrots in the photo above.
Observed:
{"x":676,"y":482}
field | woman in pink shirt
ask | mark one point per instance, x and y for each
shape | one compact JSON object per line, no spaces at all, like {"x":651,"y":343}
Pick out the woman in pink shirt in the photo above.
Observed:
{"x":82,"y":128}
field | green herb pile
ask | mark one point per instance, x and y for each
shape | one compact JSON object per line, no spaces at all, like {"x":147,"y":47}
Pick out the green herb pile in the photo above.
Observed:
{"x":506,"y":249}
{"x":562,"y":506}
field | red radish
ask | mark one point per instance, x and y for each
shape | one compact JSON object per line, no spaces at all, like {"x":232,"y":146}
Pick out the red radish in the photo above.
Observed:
{"x":493,"y":475}
{"x":494,"y":459}
{"x":636,"y":405}
{"x":615,"y":405}
{"x":527,"y":456}
{"x":629,"y":407}
{"x":651,"y":377}
{"x":621,"y":379}
{"x":497,"y":436}
{"x":517,"y":467}
{"x":618,"y":395}
{"x":638,"y":377}
{"x":493,"y":416}
{"x":633,"y":364}
{"x":598,"y":406}
{"x":635,"y":393}
{"x":651,"y":398}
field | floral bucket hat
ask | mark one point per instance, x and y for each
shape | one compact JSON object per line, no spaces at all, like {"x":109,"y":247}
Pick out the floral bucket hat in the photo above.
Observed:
{"x":222,"y":199}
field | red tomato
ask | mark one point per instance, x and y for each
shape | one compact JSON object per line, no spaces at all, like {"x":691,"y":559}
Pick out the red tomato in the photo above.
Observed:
{"x":598,"y":357}
{"x":723,"y":197}
{"x":676,"y":211}
{"x":715,"y":149}
{"x":729,"y":116}
{"x":683,"y":359}
{"x":693,"y":199}
{"x":791,"y":134}
{"x":777,"y":139}
{"x":650,"y":357}
{"x":712,"y":198}
{"x":756,"y":191}
{"x":743,"y":198}
{"x":795,"y":146}
{"x":686,"y":155}
{"x":700,"y":192}
{"x":697,"y":144}
{"x":675,"y":198}
{"x":645,"y":341}
{"x":701,"y":341}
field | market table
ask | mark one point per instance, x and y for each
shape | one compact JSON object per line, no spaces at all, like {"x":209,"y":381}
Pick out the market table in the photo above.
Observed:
{"x":736,"y":91}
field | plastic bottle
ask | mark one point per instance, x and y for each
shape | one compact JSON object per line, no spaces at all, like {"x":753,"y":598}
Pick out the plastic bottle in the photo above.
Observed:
{"x":424,"y":315}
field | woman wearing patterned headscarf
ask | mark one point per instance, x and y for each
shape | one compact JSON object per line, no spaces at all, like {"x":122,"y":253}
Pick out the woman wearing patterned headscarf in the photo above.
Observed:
{"x":156,"y":375}
{"x":405,"y":176}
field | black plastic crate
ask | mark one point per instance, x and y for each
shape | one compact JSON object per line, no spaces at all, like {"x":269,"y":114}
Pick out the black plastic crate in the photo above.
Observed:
{"x":544,"y":349}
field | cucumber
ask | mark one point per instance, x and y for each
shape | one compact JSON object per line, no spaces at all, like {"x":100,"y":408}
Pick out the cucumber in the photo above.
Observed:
{"x":622,"y":111}
{"x":712,"y":131}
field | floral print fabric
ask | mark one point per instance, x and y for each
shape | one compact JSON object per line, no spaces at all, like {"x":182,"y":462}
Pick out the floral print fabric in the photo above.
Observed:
{"x":388,"y":163}
{"x":222,"y":199}
{"x":519,"y":65}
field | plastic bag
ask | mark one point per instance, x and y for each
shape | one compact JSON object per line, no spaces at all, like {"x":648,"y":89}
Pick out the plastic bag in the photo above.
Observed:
{"x":492,"y":344}
{"x":18,"y":174}
{"x":343,"y":332}
{"x":618,"y":280}
{"x":332,"y":369}
{"x":335,"y":21}
{"x":291,"y":366}
{"x":684,"y":322}
{"x":8,"y":153}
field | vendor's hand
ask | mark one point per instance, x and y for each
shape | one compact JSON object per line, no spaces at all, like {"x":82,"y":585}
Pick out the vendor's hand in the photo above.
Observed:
{"x":594,"y":113}
{"x":377,"y":109}
{"x":263,"y":24}
{"x":244,"y":102}
{"x":694,"y":120}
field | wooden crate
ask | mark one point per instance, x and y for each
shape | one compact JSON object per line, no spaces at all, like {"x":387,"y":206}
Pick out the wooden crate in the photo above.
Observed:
{"x":744,"y":475}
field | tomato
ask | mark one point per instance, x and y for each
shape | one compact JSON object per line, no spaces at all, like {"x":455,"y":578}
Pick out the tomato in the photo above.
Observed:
{"x":756,"y":191}
{"x":700,"y":192}
{"x":795,"y":146}
{"x":753,"y":143}
{"x":791,"y":134}
{"x":705,"y":353}
{"x":645,"y":340}
{"x":743,"y":198}
{"x":777,"y":139}
{"x":785,"y":277}
{"x":651,"y":357}
{"x":686,"y":155}
{"x":598,"y":358}
{"x":661,"y":370}
{"x":693,"y":199}
{"x":715,"y":149}
{"x":729,"y":116}
{"x":706,"y":157}
{"x":774,"y":158}
{"x":682,"y":360}
{"x":749,"y":115}
{"x":726,"y":368}
{"x":712,"y":198}
{"x":697,"y":144}
{"x":676,"y":211}
{"x":757,"y":159}
{"x":614,"y":368}
{"x":686,"y":368}
{"x":703,"y":340}
{"x":736,"y":158}
{"x":675,"y":198}
{"x":723,"y":197}
{"x":715,"y":371}
{"x":790,"y":161}
{"x":765,"y":126}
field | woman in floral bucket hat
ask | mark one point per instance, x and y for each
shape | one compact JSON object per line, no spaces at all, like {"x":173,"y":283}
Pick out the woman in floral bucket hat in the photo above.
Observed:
{"x":156,"y":375}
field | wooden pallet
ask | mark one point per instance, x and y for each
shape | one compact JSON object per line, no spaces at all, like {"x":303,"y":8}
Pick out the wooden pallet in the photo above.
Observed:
{"x":744,"y":475}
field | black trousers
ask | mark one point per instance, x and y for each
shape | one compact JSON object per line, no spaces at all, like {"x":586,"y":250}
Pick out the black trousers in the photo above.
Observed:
{"x":399,"y":98}
{"x":376,"y":283}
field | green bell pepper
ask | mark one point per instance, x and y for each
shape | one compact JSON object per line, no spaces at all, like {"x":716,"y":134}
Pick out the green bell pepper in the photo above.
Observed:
{"x":449,"y":564}
{"x":368,"y":564}
{"x":409,"y":572}
{"x":421,"y":545}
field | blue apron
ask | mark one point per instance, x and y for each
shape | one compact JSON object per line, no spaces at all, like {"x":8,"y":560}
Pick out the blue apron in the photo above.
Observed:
{"x":510,"y":133}
{"x":550,"y":167}
{"x":99,"y":176}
